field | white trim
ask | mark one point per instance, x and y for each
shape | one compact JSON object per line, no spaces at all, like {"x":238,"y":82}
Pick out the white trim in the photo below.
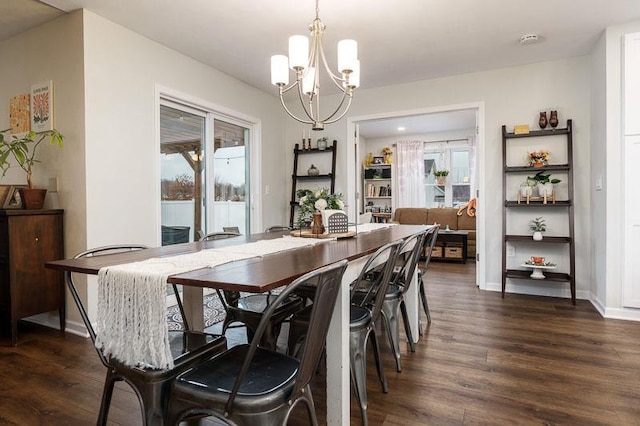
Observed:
{"x":352,"y":175}
{"x":228,"y":115}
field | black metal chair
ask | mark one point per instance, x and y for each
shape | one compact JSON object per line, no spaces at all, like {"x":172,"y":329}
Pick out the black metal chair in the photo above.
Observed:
{"x":277,"y":228}
{"x":233,"y":229}
{"x":249,"y":309}
{"x":151,"y":386}
{"x":429,"y":243}
{"x":367,"y":297}
{"x":252,"y":385}
{"x":410,"y":252}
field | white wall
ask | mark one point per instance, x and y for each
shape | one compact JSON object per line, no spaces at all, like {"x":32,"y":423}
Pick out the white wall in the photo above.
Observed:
{"x":613,"y":239}
{"x":511,"y":96}
{"x":122,"y":72}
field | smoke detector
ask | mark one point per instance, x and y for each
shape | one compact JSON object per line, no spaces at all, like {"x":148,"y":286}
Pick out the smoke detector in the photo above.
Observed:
{"x":529,"y":39}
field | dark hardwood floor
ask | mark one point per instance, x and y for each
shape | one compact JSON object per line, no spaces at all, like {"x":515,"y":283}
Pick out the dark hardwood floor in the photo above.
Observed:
{"x":483,"y":360}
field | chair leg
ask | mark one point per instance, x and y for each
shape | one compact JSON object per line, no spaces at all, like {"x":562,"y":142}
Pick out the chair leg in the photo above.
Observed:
{"x":358,"y":361}
{"x":407,"y":326}
{"x":378,"y":359}
{"x":390,"y":317}
{"x":423,"y":297}
{"x":107,"y":392}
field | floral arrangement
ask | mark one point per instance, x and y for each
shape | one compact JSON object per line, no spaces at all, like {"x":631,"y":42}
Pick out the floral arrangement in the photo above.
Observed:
{"x":311,"y":202}
{"x":442,"y":172}
{"x":387,"y":150}
{"x":538,"y":157}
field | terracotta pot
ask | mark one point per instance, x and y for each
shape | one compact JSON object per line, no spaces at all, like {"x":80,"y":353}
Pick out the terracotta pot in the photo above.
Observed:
{"x":318,"y":227}
{"x":32,"y":198}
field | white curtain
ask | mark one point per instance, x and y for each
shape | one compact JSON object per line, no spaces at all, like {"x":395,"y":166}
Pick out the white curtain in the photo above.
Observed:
{"x":473,"y":169}
{"x":410,"y":188}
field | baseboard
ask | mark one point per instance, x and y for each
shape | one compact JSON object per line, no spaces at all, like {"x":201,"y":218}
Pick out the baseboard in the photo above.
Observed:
{"x":628,"y":314}
{"x":51,"y":320}
{"x":540,"y":289}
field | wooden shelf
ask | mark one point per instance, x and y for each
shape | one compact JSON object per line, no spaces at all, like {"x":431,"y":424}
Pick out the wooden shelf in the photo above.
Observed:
{"x":295,"y":177}
{"x":567,"y":205}
{"x":546,"y":239}
{"x":538,"y":203}
{"x":548,"y":276}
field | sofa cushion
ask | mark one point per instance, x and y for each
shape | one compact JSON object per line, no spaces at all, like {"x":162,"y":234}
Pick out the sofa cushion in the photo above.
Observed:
{"x":443,"y":216}
{"x":466,"y":222}
{"x":411,"y":216}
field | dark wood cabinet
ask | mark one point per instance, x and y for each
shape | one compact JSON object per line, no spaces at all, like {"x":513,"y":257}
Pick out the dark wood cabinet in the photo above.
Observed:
{"x":28,"y":239}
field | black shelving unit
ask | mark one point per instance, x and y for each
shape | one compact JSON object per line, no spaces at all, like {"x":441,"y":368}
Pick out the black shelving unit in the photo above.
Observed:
{"x":538,"y":204}
{"x":296,"y":178}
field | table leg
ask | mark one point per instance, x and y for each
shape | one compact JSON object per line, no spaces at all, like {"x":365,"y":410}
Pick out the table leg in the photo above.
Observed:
{"x":411,"y":299}
{"x":192,"y":298}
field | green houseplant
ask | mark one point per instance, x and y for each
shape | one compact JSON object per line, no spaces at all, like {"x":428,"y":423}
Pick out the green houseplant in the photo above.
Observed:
{"x":544,"y":183}
{"x":537,"y":226}
{"x":23,"y":150}
{"x":441,"y":175}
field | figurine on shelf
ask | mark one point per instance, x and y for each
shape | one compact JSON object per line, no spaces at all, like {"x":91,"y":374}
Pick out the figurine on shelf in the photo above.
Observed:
{"x":553,"y":120}
{"x":542,"y":122}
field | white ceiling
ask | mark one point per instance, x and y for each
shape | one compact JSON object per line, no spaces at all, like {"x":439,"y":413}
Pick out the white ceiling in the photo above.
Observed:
{"x":399,"y":41}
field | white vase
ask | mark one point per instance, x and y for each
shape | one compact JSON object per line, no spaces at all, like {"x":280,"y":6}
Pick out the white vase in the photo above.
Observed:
{"x":537,"y":236}
{"x":524,"y":190}
{"x":546,"y":187}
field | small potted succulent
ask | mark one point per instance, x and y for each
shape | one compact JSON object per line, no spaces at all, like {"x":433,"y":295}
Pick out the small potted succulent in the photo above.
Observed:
{"x":23,"y":150}
{"x":537,"y":226}
{"x":441,"y":176}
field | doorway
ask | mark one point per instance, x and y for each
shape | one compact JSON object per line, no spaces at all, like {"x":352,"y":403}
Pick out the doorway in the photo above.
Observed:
{"x":373,"y":125}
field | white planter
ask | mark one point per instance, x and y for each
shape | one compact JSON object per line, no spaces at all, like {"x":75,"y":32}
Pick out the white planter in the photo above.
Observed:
{"x":537,"y":236}
{"x":525,"y":190}
{"x":546,"y":187}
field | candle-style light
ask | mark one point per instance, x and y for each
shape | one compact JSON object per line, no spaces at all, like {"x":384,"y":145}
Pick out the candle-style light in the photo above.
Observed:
{"x":305,"y":60}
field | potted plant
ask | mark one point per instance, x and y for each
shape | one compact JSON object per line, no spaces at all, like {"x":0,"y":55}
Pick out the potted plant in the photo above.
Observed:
{"x":441,"y":176}
{"x":23,"y":150}
{"x":537,"y":226}
{"x":545,"y":184}
{"x":311,"y":203}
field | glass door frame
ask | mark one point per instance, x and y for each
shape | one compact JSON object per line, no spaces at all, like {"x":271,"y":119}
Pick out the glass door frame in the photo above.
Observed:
{"x":172,"y":98}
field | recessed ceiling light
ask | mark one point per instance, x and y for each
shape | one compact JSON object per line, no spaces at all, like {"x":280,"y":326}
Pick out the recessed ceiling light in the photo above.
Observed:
{"x":529,"y":39}
{"x":401,"y":129}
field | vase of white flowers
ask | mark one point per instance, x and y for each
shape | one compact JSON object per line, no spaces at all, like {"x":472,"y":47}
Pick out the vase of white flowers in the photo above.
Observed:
{"x":314,"y":202}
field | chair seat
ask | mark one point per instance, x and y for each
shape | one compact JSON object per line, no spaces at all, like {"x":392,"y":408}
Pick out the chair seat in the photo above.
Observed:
{"x":359,"y":317}
{"x":270,"y":373}
{"x":187,"y":348}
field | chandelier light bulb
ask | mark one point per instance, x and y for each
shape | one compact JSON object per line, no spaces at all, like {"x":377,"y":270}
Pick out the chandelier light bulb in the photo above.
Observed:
{"x":347,"y":55}
{"x":279,"y":70}
{"x":298,"y":52}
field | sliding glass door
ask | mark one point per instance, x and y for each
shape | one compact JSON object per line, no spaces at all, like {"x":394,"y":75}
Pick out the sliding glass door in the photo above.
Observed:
{"x":204,"y":173}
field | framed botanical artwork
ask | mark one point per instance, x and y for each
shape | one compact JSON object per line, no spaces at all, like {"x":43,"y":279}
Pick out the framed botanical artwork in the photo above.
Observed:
{"x":42,"y":106}
{"x":12,"y":199}
{"x":19,"y":114}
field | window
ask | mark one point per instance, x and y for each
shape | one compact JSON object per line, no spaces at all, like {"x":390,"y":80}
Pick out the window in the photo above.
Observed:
{"x":453,"y":156}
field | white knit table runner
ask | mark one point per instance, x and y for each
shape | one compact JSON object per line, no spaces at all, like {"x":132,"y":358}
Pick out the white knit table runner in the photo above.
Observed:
{"x":364,"y":228}
{"x":132,"y":323}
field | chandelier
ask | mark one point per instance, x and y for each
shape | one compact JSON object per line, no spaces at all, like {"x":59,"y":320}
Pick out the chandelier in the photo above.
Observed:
{"x":305,"y":59}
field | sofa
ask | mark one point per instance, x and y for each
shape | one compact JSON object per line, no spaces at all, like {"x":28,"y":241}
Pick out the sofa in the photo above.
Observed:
{"x":443,"y":216}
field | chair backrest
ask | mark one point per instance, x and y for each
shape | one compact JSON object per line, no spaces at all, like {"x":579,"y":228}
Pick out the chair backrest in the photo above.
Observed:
{"x":429,"y":242}
{"x":374,"y":278}
{"x":365,"y":218}
{"x":277,"y":228}
{"x":98,"y":251}
{"x":328,"y":280}
{"x":219,"y":236}
{"x":231,"y":229}
{"x":410,"y":252}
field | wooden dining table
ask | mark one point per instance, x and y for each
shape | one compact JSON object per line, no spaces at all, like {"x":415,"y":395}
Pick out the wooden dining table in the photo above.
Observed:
{"x":261,"y":274}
